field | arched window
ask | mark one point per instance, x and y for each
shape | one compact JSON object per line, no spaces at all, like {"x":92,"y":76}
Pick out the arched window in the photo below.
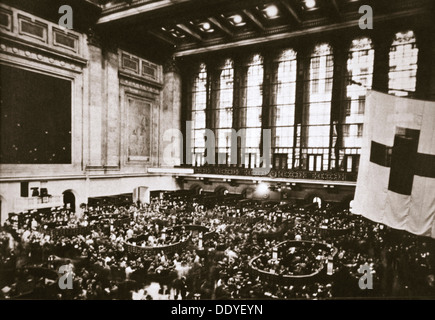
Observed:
{"x":283,"y":108}
{"x":224,"y":112}
{"x":359,"y":78}
{"x":403,"y":64}
{"x":317,"y":109}
{"x":199,"y":103}
{"x":253,"y":111}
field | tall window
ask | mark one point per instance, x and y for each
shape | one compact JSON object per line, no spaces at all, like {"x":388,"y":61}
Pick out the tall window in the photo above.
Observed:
{"x":403,"y":64}
{"x":283,"y":109}
{"x":253,"y":111}
{"x":317,"y":109}
{"x":224,"y":112}
{"x":199,"y":103}
{"x":359,"y":79}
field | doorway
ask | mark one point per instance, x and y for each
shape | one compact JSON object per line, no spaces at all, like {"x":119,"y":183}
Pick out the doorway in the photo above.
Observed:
{"x":69,"y":199}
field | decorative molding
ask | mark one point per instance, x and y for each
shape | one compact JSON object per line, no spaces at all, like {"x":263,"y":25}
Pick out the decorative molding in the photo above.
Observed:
{"x":140,"y":69}
{"x":65,"y":40}
{"x":93,"y":38}
{"x":131,"y":81}
{"x":93,"y":175}
{"x":25,"y":27}
{"x":94,"y":168}
{"x":35,"y":54}
{"x":171,"y":66}
{"x":139,"y":158}
{"x":6,"y":16}
{"x":117,"y":168}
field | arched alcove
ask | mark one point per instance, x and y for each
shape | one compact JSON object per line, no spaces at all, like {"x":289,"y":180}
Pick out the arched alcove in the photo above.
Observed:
{"x":69,"y":198}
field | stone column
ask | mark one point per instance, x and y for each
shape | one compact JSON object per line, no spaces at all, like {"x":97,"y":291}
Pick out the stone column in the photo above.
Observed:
{"x":170,"y":114}
{"x":112,"y":105}
{"x":95,"y":108}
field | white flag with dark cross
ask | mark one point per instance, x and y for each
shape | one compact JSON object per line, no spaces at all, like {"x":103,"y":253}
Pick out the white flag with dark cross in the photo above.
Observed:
{"x":396,"y":176}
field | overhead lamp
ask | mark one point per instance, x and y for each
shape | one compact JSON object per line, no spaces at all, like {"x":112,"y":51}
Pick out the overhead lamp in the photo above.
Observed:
{"x":174,"y":33}
{"x":178,"y":34}
{"x":236,"y":20}
{"x":271,"y":11}
{"x":310,"y":4}
{"x":206,"y":27}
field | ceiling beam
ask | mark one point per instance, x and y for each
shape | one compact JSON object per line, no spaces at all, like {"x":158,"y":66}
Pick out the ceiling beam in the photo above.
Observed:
{"x":176,"y":11}
{"x":218,"y":24}
{"x":137,"y":10}
{"x":162,"y":37}
{"x":189,"y":31}
{"x":291,"y":11}
{"x":335,"y":7}
{"x":298,"y":33}
{"x":253,"y":19}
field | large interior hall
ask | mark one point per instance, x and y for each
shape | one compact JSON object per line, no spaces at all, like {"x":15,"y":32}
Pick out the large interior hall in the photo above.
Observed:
{"x":217,"y":150}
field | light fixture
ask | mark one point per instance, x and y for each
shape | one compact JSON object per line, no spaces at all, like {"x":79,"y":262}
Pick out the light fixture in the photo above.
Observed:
{"x":271,"y":11}
{"x":310,"y":4}
{"x":174,"y":33}
{"x":235,"y":19}
{"x":206,"y":27}
{"x":178,"y":34}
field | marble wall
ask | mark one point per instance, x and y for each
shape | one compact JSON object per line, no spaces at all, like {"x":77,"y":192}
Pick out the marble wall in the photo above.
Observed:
{"x":121,"y":105}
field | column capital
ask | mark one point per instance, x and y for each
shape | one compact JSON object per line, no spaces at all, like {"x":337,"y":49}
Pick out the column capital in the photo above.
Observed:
{"x":93,"y":38}
{"x":171,"y":65}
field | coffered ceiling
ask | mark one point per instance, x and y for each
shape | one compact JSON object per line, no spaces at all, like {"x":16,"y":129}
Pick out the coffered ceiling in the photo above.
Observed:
{"x":196,"y":26}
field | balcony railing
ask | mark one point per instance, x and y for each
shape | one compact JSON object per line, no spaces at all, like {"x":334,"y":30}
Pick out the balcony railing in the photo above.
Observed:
{"x":331,"y":175}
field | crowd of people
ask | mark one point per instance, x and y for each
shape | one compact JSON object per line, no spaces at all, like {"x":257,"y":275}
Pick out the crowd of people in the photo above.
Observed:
{"x":297,"y":260}
{"x":220,"y":266}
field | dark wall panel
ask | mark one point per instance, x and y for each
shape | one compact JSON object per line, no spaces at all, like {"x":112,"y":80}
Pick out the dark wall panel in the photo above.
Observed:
{"x":35,"y":121}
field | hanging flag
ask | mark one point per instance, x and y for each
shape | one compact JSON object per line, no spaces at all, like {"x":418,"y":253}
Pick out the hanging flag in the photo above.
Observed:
{"x":396,"y":176}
